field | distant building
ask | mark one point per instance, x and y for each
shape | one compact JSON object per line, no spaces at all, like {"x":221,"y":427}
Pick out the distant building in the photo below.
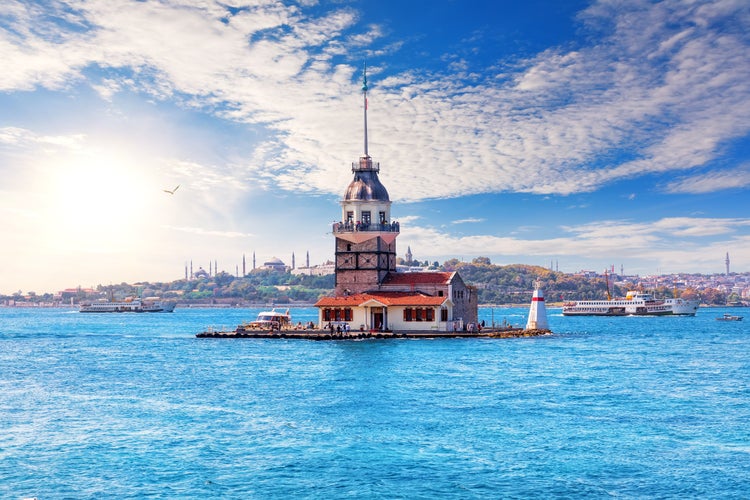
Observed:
{"x":73,"y":293}
{"x":275,"y":264}
{"x":319,"y":270}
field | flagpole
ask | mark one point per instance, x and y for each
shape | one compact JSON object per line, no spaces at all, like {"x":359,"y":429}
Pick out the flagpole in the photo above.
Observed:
{"x":364,"y":93}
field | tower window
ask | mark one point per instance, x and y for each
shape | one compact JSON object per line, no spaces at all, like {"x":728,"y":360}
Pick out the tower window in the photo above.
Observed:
{"x":349,"y":217}
{"x":366,"y":217}
{"x":382,"y":217}
{"x":348,"y":247}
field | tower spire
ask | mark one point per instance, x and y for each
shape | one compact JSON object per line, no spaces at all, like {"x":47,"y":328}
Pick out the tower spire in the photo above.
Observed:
{"x":364,"y":93}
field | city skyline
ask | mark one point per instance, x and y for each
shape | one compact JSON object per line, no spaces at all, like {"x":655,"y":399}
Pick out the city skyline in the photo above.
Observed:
{"x":588,"y":133}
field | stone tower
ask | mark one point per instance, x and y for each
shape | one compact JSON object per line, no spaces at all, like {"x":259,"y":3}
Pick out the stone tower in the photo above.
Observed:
{"x":365,"y":235}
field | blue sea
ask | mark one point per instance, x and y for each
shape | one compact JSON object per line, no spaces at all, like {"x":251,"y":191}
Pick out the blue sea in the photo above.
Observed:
{"x":135,"y":406}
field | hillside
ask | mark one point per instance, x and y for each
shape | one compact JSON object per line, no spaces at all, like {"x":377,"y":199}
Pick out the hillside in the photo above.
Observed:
{"x":498,"y":285}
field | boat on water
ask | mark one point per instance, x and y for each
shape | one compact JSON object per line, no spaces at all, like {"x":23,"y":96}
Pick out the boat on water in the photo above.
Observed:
{"x":635,"y":303}
{"x":137,"y":305}
{"x":729,"y":317}
{"x":268,"y":320}
{"x":683,"y":307}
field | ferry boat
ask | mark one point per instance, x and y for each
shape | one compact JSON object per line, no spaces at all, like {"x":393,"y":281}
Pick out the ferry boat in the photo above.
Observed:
{"x":683,"y":307}
{"x":150,"y":304}
{"x":268,"y":320}
{"x":634,"y":304}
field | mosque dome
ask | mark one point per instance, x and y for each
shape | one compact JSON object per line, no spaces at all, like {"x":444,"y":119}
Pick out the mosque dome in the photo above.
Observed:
{"x":366,"y":187}
{"x":275,"y":263}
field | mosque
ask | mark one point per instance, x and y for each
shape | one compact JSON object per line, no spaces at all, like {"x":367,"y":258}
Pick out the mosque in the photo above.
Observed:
{"x":369,"y":293}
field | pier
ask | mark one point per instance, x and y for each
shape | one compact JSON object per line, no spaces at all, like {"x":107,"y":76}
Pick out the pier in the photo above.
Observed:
{"x":490,"y":333}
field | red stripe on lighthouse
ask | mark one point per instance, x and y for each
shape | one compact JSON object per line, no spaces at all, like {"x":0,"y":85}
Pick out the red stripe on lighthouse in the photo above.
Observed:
{"x":537,"y":299}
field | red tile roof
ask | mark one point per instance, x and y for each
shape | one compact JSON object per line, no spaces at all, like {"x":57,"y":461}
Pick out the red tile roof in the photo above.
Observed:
{"x":418,"y":278}
{"x":385,"y":298}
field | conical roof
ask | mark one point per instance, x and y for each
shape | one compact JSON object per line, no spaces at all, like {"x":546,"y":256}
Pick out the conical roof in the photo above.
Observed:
{"x":366,"y":187}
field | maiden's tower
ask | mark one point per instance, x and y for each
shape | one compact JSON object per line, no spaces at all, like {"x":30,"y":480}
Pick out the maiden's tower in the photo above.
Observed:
{"x":369,"y":293}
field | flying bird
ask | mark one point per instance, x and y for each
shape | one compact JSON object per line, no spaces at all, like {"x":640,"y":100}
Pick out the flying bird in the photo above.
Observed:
{"x":172,"y":191}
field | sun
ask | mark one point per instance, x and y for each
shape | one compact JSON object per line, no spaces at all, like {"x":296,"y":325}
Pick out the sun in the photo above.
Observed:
{"x":99,"y":201}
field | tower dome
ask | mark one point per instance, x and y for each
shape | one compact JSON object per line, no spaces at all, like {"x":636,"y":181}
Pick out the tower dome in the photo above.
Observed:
{"x":366,"y":186}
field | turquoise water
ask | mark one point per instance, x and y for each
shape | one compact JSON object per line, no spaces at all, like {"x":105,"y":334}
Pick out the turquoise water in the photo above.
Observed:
{"x":134,"y":406}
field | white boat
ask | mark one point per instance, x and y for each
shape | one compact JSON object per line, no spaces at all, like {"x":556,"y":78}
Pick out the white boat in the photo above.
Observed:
{"x":150,"y":304}
{"x":268,"y":320}
{"x":634,"y":304}
{"x":683,"y":307}
{"x":729,"y":317}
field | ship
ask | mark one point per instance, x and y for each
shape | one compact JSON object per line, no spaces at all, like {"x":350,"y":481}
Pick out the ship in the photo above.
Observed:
{"x":683,"y":307}
{"x":137,"y":305}
{"x":635,"y":303}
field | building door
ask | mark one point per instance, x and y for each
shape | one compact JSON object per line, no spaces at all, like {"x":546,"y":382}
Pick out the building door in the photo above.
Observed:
{"x":377,"y":319}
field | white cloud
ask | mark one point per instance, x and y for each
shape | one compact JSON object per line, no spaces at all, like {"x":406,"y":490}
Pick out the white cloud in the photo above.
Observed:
{"x":737,"y":178}
{"x":469,"y":220}
{"x":667,"y":83}
{"x":20,"y":138}
{"x":670,"y":243}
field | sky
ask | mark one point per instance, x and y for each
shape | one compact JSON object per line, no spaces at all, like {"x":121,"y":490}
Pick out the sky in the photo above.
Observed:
{"x":576,"y":135}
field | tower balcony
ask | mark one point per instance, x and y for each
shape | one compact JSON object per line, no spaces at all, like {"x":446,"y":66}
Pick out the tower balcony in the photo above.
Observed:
{"x":359,"y":232}
{"x":365,"y":164}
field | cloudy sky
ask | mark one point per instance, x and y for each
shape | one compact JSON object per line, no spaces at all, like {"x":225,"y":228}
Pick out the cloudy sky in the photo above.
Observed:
{"x":579,"y":133}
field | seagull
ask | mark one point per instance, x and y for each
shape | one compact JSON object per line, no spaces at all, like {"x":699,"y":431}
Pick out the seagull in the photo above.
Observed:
{"x":172,"y":191}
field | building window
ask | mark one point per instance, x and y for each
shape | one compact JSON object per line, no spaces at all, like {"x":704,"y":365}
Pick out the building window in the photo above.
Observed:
{"x":443,"y":314}
{"x":338,"y":314}
{"x":440,"y":293}
{"x":349,"y":217}
{"x":429,"y":315}
{"x":366,"y":217}
{"x":420,"y":314}
{"x":382,"y":217}
{"x":407,"y":314}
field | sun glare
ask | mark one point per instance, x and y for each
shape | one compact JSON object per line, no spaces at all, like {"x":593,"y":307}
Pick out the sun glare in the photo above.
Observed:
{"x":99,"y":202}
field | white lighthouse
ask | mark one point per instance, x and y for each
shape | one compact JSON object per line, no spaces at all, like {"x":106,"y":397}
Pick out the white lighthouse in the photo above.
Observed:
{"x":537,"y":311}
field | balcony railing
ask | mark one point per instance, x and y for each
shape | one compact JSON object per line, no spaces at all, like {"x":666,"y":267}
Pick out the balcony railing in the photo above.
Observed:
{"x":350,"y":227}
{"x":365,"y":164}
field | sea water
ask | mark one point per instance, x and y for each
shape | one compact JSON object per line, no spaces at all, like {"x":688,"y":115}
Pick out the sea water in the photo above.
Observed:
{"x":135,"y":406}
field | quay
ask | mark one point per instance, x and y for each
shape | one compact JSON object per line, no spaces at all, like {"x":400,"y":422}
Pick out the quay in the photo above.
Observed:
{"x":492,"y":333}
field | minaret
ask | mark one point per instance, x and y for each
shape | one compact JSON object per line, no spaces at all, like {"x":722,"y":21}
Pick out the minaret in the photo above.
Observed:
{"x":537,"y":311}
{"x":191,"y":269}
{"x":293,"y":265}
{"x":307,"y":260}
{"x":727,"y":263}
{"x":244,"y":273}
{"x":409,"y":256}
{"x":365,"y":235}
{"x":253,"y":260}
